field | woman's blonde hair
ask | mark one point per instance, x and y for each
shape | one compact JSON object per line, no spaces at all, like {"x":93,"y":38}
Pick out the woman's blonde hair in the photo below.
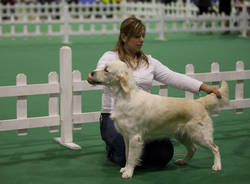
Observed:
{"x":130,"y":27}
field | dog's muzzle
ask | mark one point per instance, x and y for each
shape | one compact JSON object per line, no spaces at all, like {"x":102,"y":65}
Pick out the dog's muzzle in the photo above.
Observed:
{"x":92,"y":74}
{"x":91,"y":79}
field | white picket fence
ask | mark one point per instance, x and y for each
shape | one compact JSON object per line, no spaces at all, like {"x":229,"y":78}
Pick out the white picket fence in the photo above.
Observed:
{"x":65,"y":20}
{"x":68,"y":93}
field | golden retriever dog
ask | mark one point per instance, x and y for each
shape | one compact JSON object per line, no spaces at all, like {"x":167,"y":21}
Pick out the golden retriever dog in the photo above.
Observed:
{"x":139,"y":115}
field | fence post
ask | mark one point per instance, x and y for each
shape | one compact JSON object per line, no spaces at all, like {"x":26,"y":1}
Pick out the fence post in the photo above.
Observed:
{"x":239,"y":86}
{"x":77,"y":98}
{"x":244,"y":21}
{"x":12,"y":27}
{"x":53,"y":100}
{"x":189,"y":70}
{"x":66,"y":25}
{"x":163,"y":91}
{"x":21,"y":103}
{"x":215,"y":68}
{"x":66,"y":104}
{"x":161,"y":24}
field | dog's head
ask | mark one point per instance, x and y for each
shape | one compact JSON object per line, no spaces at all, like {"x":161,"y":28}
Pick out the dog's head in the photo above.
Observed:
{"x":115,"y":74}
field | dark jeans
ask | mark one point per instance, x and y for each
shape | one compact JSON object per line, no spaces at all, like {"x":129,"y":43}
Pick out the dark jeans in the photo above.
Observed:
{"x":156,"y":153}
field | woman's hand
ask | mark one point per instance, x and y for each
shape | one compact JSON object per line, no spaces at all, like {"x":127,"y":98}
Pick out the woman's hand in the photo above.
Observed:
{"x":210,"y":89}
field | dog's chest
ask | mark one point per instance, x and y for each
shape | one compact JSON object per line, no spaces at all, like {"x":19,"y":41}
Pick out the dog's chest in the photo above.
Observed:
{"x":126,"y":119}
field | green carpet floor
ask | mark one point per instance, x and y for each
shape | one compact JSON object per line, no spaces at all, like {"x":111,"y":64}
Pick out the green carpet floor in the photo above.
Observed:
{"x":37,"y":159}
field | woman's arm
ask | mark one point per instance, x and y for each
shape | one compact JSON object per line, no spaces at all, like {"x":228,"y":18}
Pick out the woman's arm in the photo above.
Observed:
{"x":180,"y":81}
{"x":177,"y":80}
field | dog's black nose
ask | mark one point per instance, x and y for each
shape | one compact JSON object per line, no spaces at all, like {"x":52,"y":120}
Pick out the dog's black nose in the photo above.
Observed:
{"x":92,"y":74}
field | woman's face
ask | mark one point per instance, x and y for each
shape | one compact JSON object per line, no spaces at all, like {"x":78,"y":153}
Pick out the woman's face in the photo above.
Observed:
{"x":133,"y":44}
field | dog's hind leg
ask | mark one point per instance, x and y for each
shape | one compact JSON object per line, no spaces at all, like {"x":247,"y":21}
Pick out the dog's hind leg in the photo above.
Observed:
{"x":209,"y":144}
{"x":217,"y":160}
{"x":205,"y":139}
{"x":134,"y":153}
{"x":191,"y":149}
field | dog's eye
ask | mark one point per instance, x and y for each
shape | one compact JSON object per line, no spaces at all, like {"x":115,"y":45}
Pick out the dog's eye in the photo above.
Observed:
{"x":106,"y":69}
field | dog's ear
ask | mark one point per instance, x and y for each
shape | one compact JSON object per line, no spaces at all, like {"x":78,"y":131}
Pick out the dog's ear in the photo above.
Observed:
{"x":124,"y":84}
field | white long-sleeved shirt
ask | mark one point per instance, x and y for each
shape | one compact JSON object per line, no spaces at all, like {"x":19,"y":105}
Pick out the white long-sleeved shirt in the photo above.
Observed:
{"x":144,"y":77}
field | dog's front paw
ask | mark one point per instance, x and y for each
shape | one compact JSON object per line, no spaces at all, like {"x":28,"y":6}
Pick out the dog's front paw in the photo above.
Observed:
{"x":216,"y":167}
{"x":122,"y":170}
{"x":180,"y":162}
{"x":127,"y":173}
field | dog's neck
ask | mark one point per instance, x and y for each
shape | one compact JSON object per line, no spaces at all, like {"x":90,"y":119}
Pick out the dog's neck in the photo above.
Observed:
{"x":118,"y":91}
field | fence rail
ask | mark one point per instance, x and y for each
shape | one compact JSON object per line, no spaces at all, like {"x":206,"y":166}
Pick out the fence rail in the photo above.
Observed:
{"x":65,"y":20}
{"x":68,"y":94}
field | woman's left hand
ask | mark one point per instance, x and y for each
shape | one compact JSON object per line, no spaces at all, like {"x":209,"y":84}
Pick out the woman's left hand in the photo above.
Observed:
{"x":210,"y":89}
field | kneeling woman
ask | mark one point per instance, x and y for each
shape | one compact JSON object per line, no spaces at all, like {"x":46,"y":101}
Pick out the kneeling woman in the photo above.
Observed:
{"x":145,"y":69}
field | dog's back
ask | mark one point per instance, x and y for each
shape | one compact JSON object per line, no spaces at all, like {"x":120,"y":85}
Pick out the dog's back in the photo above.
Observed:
{"x":159,"y":115}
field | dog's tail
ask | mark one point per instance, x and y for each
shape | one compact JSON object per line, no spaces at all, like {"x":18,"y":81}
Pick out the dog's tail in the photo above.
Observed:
{"x":212,"y":103}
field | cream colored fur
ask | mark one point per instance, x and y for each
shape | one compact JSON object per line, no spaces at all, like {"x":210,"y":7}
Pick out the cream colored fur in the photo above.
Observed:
{"x":139,"y":116}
